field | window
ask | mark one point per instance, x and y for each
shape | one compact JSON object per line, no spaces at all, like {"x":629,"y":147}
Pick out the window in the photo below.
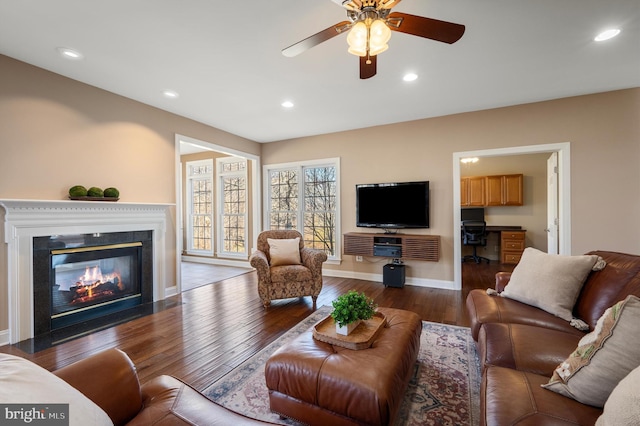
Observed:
{"x":200,"y":207}
{"x":232,"y":178}
{"x":304,"y":196}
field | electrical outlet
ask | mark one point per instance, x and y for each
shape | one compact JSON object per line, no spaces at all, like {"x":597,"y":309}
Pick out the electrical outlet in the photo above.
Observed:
{"x":358,"y":258}
{"x":496,"y":249}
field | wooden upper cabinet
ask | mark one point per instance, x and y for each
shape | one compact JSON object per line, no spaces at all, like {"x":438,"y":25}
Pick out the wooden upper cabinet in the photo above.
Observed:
{"x":512,"y":190}
{"x":498,"y":190}
{"x":494,"y":190}
{"x":472,"y":191}
{"x":504,"y":190}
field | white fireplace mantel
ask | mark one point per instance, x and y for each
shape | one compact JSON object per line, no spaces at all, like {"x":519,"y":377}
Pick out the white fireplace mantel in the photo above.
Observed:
{"x":22,"y":220}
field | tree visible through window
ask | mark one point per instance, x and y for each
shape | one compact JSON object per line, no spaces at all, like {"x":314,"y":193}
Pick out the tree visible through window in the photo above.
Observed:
{"x":233,"y":178}
{"x":200,"y":206}
{"x":305,"y":197}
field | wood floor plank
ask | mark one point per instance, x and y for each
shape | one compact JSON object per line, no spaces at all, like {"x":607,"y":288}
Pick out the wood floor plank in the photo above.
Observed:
{"x":213,"y":328}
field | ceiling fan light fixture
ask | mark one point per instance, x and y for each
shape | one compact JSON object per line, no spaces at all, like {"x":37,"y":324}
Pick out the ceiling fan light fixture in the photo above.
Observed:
{"x":357,"y":39}
{"x":379,"y":35}
{"x":368,"y":40}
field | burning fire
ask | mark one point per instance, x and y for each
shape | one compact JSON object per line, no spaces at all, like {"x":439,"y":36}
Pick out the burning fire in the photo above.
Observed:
{"x":94,"y":283}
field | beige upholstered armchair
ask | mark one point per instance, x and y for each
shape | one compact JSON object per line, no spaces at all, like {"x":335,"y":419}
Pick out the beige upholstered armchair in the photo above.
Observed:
{"x":285,"y":267}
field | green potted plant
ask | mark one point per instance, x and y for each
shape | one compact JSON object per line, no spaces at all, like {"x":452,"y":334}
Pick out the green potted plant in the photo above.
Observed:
{"x":350,"y":309}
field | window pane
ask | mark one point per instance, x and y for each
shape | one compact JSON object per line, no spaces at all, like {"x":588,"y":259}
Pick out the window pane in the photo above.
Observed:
{"x":201,"y":206}
{"x":320,"y":208}
{"x":233,"y":215}
{"x":284,"y":199}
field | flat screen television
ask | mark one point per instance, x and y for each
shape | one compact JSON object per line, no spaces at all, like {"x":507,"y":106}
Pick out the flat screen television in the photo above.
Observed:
{"x":393,"y":205}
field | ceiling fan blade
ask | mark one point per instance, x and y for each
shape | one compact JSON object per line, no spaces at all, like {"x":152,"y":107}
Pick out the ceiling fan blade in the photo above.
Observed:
{"x":446,"y":32}
{"x":368,"y":66}
{"x":316,"y":39}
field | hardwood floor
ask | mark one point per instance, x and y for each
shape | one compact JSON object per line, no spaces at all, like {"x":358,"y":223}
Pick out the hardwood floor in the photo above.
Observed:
{"x":213,"y":328}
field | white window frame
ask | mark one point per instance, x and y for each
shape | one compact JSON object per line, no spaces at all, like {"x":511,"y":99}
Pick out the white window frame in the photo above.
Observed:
{"x":220,"y":174}
{"x":300,"y":166}
{"x":190,"y":179}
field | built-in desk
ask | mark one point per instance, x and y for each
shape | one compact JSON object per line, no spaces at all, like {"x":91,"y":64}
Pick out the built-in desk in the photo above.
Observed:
{"x":492,"y":228}
{"x":511,"y":242}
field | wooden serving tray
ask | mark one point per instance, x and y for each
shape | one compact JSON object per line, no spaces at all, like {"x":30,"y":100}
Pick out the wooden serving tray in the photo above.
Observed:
{"x":360,"y":338}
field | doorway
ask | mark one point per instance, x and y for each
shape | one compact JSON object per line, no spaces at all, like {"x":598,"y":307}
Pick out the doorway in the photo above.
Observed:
{"x":564,"y":198}
{"x":185,"y":144}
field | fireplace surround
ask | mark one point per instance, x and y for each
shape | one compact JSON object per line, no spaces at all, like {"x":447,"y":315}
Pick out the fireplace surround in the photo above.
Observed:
{"x":29,"y":222}
{"x":79,"y":278}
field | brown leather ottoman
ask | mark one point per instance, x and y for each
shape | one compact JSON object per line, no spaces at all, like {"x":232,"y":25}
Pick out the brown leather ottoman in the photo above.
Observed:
{"x":318,"y":383}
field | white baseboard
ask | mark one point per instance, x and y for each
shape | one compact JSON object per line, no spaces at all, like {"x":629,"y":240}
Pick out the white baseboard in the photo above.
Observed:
{"x":4,"y":337}
{"x":418,"y":282}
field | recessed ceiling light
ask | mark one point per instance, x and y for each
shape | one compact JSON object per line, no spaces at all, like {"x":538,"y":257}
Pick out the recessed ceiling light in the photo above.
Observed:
{"x":67,"y":53}
{"x":410,"y":77}
{"x":608,"y":34}
{"x":287,"y":104}
{"x":170,"y":94}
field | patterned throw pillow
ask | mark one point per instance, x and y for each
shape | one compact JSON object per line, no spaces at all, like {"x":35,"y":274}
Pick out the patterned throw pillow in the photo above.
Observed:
{"x":603,"y":357}
{"x":550,"y":282}
{"x":284,"y":251}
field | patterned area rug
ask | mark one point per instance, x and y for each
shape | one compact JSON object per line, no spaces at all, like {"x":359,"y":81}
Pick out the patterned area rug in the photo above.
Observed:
{"x":445,"y":389}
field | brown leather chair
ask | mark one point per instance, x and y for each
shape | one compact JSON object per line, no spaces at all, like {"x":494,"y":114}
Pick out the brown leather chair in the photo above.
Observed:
{"x":109,"y":379}
{"x":285,"y":281}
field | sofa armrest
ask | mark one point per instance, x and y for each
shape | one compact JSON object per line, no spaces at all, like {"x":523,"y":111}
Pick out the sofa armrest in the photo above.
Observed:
{"x":502,"y":279}
{"x":110,"y":380}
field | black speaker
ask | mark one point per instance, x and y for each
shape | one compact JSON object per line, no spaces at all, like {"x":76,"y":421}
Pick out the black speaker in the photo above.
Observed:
{"x":393,"y":275}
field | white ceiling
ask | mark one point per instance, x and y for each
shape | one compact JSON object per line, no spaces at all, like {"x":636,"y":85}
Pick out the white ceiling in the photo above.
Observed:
{"x":223,"y":58}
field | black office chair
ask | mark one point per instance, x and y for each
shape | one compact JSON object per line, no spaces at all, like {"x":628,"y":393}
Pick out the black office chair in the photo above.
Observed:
{"x":474,"y":233}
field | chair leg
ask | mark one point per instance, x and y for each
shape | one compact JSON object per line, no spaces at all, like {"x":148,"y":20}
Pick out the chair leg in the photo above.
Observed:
{"x":266,"y":303}
{"x":475,"y":257}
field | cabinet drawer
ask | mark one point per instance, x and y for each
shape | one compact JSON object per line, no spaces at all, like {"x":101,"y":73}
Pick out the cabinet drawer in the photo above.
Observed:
{"x":517,"y":245}
{"x":513,"y":235}
{"x":511,"y":258}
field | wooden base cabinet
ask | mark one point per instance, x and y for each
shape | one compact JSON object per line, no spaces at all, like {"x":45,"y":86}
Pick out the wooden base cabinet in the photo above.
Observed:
{"x":511,"y":246}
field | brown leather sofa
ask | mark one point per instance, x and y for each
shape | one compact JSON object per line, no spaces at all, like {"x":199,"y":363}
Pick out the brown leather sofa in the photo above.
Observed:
{"x":110,"y":380}
{"x":520,"y":346}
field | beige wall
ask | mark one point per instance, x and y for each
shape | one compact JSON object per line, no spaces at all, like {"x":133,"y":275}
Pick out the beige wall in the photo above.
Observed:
{"x":602,"y":129}
{"x":56,"y":133}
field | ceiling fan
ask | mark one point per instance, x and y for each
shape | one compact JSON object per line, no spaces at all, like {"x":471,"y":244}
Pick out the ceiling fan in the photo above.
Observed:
{"x":371,"y":22}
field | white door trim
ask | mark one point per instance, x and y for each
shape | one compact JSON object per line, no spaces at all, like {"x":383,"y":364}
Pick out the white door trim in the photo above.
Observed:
{"x":256,"y":192}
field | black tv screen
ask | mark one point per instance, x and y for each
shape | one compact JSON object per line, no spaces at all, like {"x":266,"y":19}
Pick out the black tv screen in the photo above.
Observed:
{"x":393,"y":205}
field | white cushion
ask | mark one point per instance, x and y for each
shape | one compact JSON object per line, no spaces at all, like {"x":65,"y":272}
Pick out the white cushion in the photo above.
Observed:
{"x":623,"y":406}
{"x":23,"y":382}
{"x":549,"y":282}
{"x":284,"y":251}
{"x":603,"y":357}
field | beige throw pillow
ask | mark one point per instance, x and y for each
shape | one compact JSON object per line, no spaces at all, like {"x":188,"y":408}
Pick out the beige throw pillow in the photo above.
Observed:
{"x":23,"y":382}
{"x":623,"y":406}
{"x":548,"y":281}
{"x":603,"y":357}
{"x":284,"y":251}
